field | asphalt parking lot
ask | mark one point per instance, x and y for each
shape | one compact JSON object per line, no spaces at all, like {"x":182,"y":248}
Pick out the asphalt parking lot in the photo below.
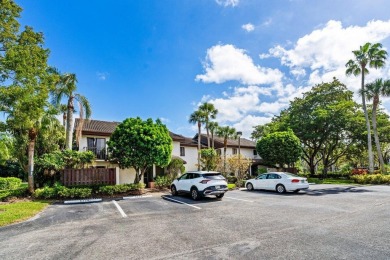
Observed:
{"x":325,"y":222}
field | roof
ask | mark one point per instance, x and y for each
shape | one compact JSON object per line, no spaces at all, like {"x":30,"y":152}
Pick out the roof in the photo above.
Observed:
{"x":97,"y":127}
{"x":219,"y":142}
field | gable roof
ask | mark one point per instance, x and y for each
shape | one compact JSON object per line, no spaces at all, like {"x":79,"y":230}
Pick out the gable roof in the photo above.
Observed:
{"x":219,"y":142}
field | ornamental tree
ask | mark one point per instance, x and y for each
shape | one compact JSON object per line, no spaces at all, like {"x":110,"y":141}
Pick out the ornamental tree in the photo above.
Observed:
{"x":279,"y":148}
{"x":140,"y":144}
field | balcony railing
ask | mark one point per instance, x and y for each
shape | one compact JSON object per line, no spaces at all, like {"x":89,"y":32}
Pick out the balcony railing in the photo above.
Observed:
{"x":100,"y":153}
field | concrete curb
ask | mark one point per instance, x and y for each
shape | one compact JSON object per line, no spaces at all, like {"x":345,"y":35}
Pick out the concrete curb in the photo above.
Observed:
{"x":83,"y":201}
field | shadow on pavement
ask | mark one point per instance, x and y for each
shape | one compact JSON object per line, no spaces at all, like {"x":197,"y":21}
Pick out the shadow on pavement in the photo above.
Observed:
{"x":187,"y":199}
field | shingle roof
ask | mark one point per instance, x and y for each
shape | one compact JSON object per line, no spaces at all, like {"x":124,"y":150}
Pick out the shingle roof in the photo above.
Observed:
{"x":218,"y":142}
{"x":97,"y":127}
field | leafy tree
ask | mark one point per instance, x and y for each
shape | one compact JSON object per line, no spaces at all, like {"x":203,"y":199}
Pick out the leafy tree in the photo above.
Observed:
{"x":66,"y":88}
{"x":323,"y":120}
{"x":6,"y":147}
{"x":373,"y":56}
{"x":197,"y":118}
{"x":279,"y":148}
{"x":24,"y":79}
{"x":209,"y":159}
{"x":140,"y":144}
{"x":239,"y":165}
{"x":225,"y":132}
{"x":209,"y":112}
{"x":175,"y":166}
{"x":373,"y":90}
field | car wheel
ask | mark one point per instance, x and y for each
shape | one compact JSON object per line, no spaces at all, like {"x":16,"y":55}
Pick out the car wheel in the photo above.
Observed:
{"x":280,"y":188}
{"x":195,"y":194}
{"x":249,"y":186}
{"x":220,"y":196}
{"x":173,"y":190}
{"x":296,"y":191}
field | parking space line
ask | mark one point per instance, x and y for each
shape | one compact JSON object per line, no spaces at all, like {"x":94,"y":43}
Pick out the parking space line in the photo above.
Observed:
{"x":239,"y":199}
{"x":119,"y":209}
{"x":181,"y":202}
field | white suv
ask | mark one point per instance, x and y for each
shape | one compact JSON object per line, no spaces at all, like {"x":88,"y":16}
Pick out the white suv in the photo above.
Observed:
{"x":199,"y":184}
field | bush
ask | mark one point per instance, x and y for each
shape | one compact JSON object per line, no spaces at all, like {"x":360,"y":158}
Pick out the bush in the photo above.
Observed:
{"x":371,"y":179}
{"x":231,"y":179}
{"x":12,"y":169}
{"x":9,"y":183}
{"x":162,"y":182}
{"x":19,"y":192}
{"x":122,"y":188}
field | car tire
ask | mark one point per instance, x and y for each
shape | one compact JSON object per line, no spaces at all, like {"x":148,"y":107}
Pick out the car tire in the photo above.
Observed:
{"x":296,"y":191}
{"x":249,"y":186}
{"x":195,"y":195}
{"x":280,"y":188}
{"x":173,"y":190}
{"x":220,"y":196}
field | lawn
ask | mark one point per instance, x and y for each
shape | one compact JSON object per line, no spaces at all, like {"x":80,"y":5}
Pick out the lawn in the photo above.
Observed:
{"x":19,"y":211}
{"x":330,"y":181}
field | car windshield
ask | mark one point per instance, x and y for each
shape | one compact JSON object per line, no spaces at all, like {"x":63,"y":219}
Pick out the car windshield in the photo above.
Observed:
{"x":213,"y":176}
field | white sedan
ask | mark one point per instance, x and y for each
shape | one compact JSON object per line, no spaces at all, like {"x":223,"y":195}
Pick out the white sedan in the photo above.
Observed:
{"x":279,"y":181}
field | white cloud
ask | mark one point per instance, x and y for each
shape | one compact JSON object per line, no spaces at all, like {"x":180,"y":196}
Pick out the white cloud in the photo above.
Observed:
{"x":267,"y":22}
{"x":102,"y":75}
{"x":248,"y":27}
{"x":248,"y":122}
{"x":227,"y":3}
{"x":226,"y":62}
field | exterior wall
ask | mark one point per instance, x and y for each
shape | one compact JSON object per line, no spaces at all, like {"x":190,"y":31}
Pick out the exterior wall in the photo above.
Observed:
{"x":191,"y":157}
{"x":176,"y":148}
{"x":127,"y":176}
{"x":83,"y":141}
{"x":247,"y":152}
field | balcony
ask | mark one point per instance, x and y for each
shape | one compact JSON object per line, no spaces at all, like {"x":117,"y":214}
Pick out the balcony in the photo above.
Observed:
{"x":99,"y":152}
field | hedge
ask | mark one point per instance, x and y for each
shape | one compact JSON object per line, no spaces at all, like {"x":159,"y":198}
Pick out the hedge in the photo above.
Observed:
{"x":371,"y":179}
{"x":9,"y":183}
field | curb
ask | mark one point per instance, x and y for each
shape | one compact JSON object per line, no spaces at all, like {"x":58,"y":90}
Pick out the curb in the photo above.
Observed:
{"x":83,"y":201}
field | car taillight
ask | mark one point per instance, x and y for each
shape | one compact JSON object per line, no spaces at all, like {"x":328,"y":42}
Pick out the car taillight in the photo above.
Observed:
{"x":294,"y":180}
{"x":204,"y":181}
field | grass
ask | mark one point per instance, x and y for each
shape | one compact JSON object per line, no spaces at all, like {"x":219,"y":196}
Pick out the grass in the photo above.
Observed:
{"x":330,"y":181}
{"x":19,"y":211}
{"x":231,"y":186}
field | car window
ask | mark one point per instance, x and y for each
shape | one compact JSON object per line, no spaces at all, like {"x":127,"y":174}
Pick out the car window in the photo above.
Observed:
{"x":183,"y":177}
{"x":273,"y":176}
{"x":262,"y":177}
{"x":213,"y":176}
{"x":196,"y":175}
{"x":190,"y":176}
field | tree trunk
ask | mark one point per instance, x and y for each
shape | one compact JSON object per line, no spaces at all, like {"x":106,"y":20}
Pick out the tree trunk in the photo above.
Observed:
{"x":64,"y":119}
{"x":199,"y":132}
{"x":212,"y":139}
{"x":208,"y":136}
{"x":69,"y":125}
{"x":377,"y":143}
{"x":369,"y":141}
{"x":312,"y":167}
{"x":32,"y":135}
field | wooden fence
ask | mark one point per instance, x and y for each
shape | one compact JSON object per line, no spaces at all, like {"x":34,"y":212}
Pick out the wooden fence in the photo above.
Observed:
{"x":92,"y":176}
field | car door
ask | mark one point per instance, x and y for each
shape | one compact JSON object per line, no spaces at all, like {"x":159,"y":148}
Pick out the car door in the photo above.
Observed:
{"x":260,"y":182}
{"x":181,"y":182}
{"x":272,"y":181}
{"x":187,"y":183}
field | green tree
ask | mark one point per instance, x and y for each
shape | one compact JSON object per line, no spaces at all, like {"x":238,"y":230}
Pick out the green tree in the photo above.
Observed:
{"x":66,"y":87}
{"x":373,"y":56}
{"x":6,"y":147}
{"x":279,"y":148}
{"x":209,"y":159}
{"x":373,"y":91}
{"x":226,"y":132}
{"x":139,"y":144}
{"x":197,"y":117}
{"x":24,"y":79}
{"x":209,"y":112}
{"x":175,"y":166}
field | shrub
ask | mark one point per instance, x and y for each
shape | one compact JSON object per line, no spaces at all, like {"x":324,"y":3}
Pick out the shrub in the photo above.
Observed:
{"x":231,"y":179}
{"x":19,"y":192}
{"x":371,"y":179}
{"x":62,"y":192}
{"x":9,"y":183}
{"x":12,"y":169}
{"x":122,"y":188}
{"x":162,"y":182}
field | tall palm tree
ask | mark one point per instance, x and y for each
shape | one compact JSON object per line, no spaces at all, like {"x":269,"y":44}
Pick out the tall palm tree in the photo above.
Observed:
{"x":373,"y":56}
{"x":209,"y":112}
{"x":372,"y":91}
{"x":66,"y":88}
{"x":197,"y":117}
{"x":226,"y":132}
{"x":213,"y":126}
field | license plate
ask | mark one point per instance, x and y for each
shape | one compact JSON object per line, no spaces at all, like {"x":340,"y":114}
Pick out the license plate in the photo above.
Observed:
{"x":217,"y":187}
{"x":303,"y":181}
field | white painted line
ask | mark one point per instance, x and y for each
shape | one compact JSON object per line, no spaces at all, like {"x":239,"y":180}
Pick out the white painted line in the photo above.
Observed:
{"x":181,"y":202}
{"x":119,"y":209}
{"x":82,"y":201}
{"x":137,"y":197}
{"x":238,"y":199}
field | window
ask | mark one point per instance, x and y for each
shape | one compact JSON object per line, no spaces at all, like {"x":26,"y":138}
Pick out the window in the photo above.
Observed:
{"x":234,"y":150}
{"x":97,"y":146}
{"x":254,"y":152}
{"x":274,"y":176}
{"x":182,"y":151}
{"x":262,"y":177}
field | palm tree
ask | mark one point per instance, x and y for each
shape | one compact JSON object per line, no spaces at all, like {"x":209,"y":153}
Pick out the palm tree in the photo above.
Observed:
{"x":226,"y":133}
{"x":66,"y":87}
{"x":373,"y":56}
{"x":209,"y":112}
{"x":213,"y":126}
{"x":197,"y":117}
{"x":373,"y":90}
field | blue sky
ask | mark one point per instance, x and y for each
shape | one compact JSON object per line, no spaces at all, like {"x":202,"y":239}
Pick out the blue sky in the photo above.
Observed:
{"x":160,"y":59}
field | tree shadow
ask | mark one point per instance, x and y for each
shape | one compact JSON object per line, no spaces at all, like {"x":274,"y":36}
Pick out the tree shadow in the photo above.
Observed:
{"x":187,"y":199}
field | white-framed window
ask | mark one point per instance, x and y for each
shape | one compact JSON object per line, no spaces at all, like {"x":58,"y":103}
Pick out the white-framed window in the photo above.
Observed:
{"x":182,"y":151}
{"x":234,"y":150}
